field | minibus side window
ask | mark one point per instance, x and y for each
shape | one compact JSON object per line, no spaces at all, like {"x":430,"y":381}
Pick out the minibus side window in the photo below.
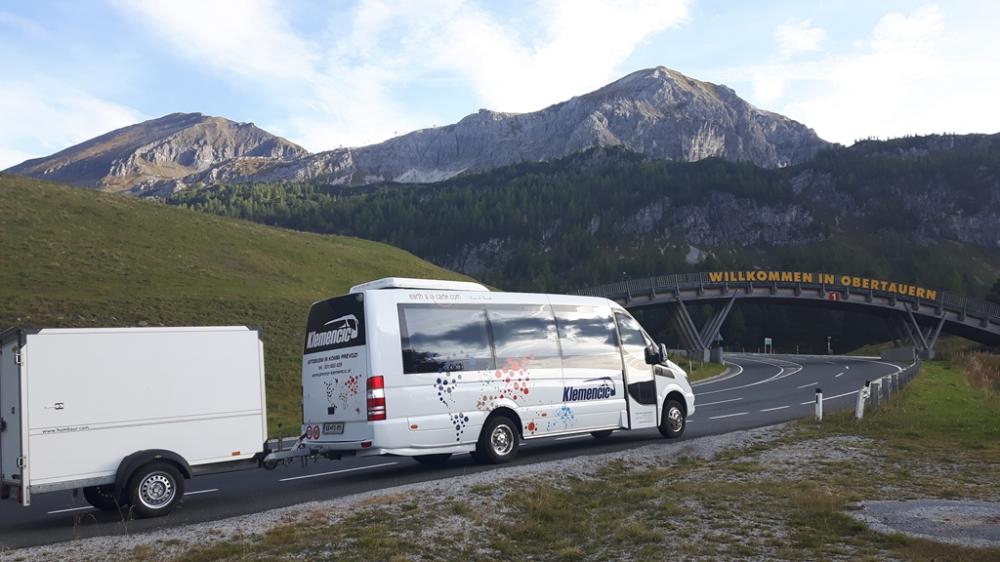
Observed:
{"x":525,"y":334}
{"x":439,"y":339}
{"x":588,"y":337}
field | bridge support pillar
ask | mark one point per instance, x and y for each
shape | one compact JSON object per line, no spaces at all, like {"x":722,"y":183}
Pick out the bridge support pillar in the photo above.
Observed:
{"x":699,"y":342}
{"x":923,"y":339}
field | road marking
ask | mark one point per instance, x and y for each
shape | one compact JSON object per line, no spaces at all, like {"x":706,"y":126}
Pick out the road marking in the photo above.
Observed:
{"x":781,"y":374}
{"x":773,"y":409}
{"x":813,"y":401}
{"x":838,"y":375}
{"x":728,"y":416}
{"x":805,"y":385}
{"x":737,"y":372}
{"x":847,"y":366}
{"x":719,"y":402}
{"x":338,"y":471}
{"x":571,"y":437}
{"x":196,"y":492}
{"x":58,"y":511}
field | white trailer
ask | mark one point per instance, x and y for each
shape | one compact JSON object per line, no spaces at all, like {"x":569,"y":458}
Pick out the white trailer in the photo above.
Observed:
{"x":127,"y":414}
{"x":428,"y":369}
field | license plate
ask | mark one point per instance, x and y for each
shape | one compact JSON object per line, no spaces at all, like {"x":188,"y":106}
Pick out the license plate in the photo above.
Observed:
{"x":333,"y":428}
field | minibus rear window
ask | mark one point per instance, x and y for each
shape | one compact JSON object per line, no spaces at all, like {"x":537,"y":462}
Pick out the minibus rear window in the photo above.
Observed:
{"x":439,"y":339}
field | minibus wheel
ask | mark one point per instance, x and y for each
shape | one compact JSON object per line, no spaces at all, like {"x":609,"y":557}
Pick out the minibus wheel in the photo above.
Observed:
{"x":673,"y":421}
{"x":433,"y":460}
{"x":498,"y":442}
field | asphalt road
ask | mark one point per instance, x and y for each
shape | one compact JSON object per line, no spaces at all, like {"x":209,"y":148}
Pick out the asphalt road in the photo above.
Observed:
{"x":757,"y":390}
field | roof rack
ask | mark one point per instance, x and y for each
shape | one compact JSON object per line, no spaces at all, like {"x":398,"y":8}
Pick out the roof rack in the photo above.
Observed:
{"x":407,"y":283}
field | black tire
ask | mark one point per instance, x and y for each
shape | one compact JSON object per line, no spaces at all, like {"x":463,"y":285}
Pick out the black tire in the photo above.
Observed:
{"x":433,"y":460}
{"x":102,"y":497}
{"x":498,"y":441}
{"x":155,"y":489}
{"x":671,"y":426}
{"x":603,"y":434}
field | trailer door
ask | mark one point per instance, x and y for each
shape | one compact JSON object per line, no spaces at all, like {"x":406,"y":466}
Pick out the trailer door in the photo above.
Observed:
{"x":12,"y":469}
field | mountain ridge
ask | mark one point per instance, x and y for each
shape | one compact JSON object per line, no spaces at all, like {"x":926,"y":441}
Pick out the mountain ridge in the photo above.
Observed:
{"x":657,"y":111}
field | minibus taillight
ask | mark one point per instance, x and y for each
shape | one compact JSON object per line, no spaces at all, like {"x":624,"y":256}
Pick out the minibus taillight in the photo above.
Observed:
{"x":376,"y":398}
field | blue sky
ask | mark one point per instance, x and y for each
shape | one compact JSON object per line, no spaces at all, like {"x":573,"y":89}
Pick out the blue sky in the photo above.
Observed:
{"x":346,"y":73}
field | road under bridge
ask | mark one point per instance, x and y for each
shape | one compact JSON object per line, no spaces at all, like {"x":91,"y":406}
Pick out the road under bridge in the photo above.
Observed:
{"x":919,"y":315}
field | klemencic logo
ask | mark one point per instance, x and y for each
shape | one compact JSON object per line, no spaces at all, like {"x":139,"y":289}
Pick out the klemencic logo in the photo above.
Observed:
{"x":600,"y":388}
{"x":345,"y":329}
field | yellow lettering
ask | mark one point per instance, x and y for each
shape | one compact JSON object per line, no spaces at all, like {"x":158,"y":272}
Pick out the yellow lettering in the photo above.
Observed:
{"x":797,"y":277}
{"x":762,"y":276}
{"x":865,"y":283}
{"x":921,"y":292}
{"x":913,"y":290}
{"x":892,"y":288}
{"x":773,"y":276}
{"x":931,"y":295}
{"x":827,"y":279}
{"x":786,"y":276}
{"x":715,"y":277}
{"x":807,"y":277}
{"x":845,"y":280}
{"x":739,"y":276}
{"x":856,"y":282}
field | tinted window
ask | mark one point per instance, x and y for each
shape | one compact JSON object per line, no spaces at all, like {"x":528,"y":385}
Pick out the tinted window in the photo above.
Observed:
{"x":437,"y":339}
{"x":526,"y":335}
{"x":632,"y":336}
{"x":588,"y":337}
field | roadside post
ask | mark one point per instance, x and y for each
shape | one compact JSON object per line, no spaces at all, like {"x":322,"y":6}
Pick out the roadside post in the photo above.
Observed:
{"x":819,"y":404}
{"x":859,"y":408}
{"x":877,"y":383}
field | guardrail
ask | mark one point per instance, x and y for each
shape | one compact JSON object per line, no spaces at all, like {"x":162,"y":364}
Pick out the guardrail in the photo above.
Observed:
{"x":668,"y":283}
{"x":884,"y":388}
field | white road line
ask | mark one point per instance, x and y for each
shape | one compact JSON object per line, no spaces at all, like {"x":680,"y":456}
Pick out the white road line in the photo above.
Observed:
{"x":719,"y":402}
{"x":813,"y":401}
{"x":781,"y":374}
{"x":773,"y":409}
{"x":58,"y":511}
{"x":570,"y":437}
{"x":805,"y":385}
{"x":728,"y":364}
{"x":338,"y":471}
{"x":196,"y":492}
{"x":728,"y":416}
{"x":838,"y":375}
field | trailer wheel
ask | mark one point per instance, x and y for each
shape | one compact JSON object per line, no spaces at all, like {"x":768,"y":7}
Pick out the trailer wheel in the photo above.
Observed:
{"x":102,"y":497}
{"x":673,"y":421}
{"x":155,"y":489}
{"x":498,"y":442}
{"x":433,"y":460}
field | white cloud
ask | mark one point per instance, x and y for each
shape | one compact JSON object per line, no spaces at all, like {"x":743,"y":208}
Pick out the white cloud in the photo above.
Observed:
{"x":916,"y":73}
{"x":351,"y":88}
{"x":51,"y":115}
{"x":798,"y":36}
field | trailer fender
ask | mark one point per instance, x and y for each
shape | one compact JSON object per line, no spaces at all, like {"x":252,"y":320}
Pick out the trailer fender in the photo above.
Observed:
{"x":136,"y":460}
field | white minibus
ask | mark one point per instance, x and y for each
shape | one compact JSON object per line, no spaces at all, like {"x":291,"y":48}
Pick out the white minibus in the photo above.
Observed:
{"x":429,"y":369}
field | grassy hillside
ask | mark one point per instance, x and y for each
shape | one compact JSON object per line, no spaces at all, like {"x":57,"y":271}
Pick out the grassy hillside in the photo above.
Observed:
{"x":75,"y":258}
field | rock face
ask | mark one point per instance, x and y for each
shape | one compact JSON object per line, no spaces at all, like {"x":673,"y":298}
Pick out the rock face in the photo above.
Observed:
{"x":657,"y":112}
{"x":160,"y":150}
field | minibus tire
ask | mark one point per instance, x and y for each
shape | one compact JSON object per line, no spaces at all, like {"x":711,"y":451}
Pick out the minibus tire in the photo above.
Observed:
{"x":668,"y":421}
{"x":433,"y":460}
{"x":102,"y":497}
{"x":486,"y":452}
{"x":155,"y":489}
{"x":603,"y":434}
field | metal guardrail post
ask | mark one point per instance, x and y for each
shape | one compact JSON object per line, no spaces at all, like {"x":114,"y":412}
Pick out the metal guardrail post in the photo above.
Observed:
{"x":819,"y":404}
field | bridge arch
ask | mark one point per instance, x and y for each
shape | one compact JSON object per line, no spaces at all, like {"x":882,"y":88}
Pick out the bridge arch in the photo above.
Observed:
{"x":919,"y":314}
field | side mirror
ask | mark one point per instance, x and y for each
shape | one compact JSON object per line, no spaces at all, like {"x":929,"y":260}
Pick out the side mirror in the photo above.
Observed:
{"x":652,"y":354}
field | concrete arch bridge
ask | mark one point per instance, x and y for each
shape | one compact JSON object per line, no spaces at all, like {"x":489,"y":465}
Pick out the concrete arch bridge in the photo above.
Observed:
{"x":919,"y":314}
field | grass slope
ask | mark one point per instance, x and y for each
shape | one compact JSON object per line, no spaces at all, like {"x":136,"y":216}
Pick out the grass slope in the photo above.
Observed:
{"x":76,"y":258}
